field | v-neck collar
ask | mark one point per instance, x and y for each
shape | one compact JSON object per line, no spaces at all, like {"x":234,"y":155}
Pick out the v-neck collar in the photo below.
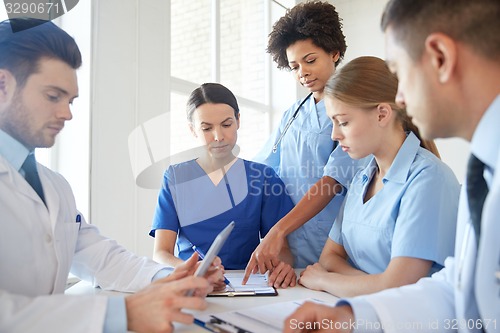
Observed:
{"x":216,"y":179}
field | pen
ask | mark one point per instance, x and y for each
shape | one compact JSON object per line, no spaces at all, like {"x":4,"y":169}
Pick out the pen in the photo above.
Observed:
{"x":218,"y":321}
{"x":202,"y":256}
{"x":79,"y":221}
{"x":204,"y":325}
{"x":199,"y":322}
{"x":209,"y":326}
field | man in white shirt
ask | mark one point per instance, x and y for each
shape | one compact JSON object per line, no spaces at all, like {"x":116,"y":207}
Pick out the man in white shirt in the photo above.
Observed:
{"x":446,"y":54}
{"x":42,"y":234}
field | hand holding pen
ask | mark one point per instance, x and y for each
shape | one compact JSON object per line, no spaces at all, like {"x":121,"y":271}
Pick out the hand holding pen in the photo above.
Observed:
{"x":202,"y":256}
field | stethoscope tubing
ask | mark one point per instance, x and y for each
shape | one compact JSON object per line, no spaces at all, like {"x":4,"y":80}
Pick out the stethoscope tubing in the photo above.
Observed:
{"x":289,"y":123}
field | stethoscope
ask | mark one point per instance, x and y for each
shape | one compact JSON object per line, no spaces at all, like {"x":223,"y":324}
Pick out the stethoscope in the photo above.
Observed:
{"x":289,"y":123}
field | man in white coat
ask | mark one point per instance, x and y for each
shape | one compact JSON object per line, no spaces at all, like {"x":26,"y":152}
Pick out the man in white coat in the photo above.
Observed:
{"x":446,"y":54}
{"x":42,"y":235}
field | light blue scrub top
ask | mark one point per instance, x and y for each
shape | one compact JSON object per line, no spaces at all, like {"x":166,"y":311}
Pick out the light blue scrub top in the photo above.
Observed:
{"x":413,"y":215}
{"x":306,"y":154}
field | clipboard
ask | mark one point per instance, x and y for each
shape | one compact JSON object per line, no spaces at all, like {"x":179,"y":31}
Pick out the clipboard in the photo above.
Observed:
{"x":257,"y":285}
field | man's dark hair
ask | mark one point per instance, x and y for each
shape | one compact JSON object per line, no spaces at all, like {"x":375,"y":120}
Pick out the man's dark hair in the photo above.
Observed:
{"x":20,"y":52}
{"x":473,"y":22}
{"x":315,"y":20}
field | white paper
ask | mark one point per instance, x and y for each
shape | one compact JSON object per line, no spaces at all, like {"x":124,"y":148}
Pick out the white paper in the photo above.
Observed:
{"x":267,"y":318}
{"x":257,"y":283}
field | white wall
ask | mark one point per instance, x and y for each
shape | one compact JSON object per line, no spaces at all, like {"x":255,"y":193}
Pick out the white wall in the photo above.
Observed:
{"x":130,"y":85}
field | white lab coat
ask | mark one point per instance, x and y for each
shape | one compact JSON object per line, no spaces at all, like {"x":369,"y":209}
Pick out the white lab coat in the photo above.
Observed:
{"x":39,"y":246}
{"x":447,"y":301}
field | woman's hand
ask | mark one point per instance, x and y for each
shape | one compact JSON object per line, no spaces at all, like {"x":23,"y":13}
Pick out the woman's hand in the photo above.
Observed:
{"x":266,"y":256}
{"x":313,"y":276}
{"x":282,"y":276}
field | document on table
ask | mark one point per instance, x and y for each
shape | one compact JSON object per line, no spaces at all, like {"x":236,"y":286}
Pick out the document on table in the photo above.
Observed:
{"x":267,"y":318}
{"x":257,"y":285}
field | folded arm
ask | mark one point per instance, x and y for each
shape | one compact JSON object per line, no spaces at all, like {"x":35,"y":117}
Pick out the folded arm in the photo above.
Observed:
{"x":346,"y":281}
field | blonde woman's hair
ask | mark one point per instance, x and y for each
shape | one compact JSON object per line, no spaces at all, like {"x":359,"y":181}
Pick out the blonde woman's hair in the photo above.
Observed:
{"x":366,"y":82}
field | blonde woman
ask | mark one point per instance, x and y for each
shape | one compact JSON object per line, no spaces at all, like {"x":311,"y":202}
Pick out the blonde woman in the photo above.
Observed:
{"x":398,"y":221}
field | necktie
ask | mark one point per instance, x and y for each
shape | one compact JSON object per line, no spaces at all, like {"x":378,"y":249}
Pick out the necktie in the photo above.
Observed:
{"x":477,"y":190}
{"x":31,"y":175}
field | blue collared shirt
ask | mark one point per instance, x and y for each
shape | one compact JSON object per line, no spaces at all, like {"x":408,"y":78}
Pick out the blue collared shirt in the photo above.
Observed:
{"x":484,"y":145}
{"x":12,"y":150}
{"x":413,"y":215}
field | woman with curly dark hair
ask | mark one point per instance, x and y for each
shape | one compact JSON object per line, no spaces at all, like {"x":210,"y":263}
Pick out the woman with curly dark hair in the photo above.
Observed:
{"x":308,"y":41}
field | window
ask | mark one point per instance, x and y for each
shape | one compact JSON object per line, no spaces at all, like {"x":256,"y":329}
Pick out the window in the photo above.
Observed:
{"x":221,"y":41}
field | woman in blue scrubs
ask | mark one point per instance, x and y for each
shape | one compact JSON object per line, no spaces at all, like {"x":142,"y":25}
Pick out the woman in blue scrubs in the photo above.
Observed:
{"x":397,"y":224}
{"x":201,"y":197}
{"x":308,"y":41}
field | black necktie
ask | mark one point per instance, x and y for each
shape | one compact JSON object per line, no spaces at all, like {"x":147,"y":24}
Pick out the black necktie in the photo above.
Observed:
{"x":31,"y":175}
{"x":477,"y":190}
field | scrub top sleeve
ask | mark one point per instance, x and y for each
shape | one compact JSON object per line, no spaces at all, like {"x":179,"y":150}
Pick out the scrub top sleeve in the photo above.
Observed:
{"x":276,"y":201}
{"x":426,"y":224}
{"x":342,"y":168}
{"x":165,"y":216}
{"x":336,"y":230}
